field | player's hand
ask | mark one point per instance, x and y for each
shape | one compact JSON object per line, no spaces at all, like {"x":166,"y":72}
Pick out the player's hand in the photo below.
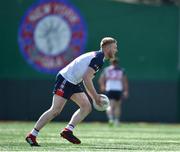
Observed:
{"x":97,"y":99}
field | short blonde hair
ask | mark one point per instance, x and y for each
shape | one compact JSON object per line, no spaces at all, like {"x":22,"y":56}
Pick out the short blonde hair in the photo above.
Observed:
{"x":106,"y":41}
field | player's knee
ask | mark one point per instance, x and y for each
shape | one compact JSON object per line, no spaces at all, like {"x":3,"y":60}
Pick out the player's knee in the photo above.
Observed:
{"x":55,"y":112}
{"x":86,"y":107}
{"x":89,"y":108}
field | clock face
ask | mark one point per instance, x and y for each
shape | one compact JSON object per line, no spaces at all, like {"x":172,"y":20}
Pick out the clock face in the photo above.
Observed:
{"x":52,"y":35}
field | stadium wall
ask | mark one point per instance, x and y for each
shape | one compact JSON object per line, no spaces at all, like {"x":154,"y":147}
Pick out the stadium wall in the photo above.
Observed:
{"x":148,"y":50}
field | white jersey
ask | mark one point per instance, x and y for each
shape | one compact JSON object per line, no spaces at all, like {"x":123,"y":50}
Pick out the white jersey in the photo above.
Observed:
{"x":113,"y":76}
{"x":75,"y":70}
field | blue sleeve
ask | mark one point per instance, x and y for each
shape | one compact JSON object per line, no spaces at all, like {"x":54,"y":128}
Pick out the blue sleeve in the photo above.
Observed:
{"x":97,"y":62}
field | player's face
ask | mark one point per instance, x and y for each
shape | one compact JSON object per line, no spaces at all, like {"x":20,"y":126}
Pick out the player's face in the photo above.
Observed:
{"x":112,"y":50}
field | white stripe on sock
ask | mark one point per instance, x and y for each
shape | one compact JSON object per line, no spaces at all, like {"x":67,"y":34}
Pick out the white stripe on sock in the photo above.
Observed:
{"x":70,"y":127}
{"x":34,"y":132}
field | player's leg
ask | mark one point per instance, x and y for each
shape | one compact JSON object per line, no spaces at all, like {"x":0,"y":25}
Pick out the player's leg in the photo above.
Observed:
{"x":117,"y":112}
{"x":85,"y":108}
{"x":110,"y":112}
{"x":56,"y":107}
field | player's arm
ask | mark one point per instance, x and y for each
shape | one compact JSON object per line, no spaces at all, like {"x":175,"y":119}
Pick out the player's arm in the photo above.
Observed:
{"x":102,"y":82}
{"x":87,"y":78}
{"x":126,"y":86}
